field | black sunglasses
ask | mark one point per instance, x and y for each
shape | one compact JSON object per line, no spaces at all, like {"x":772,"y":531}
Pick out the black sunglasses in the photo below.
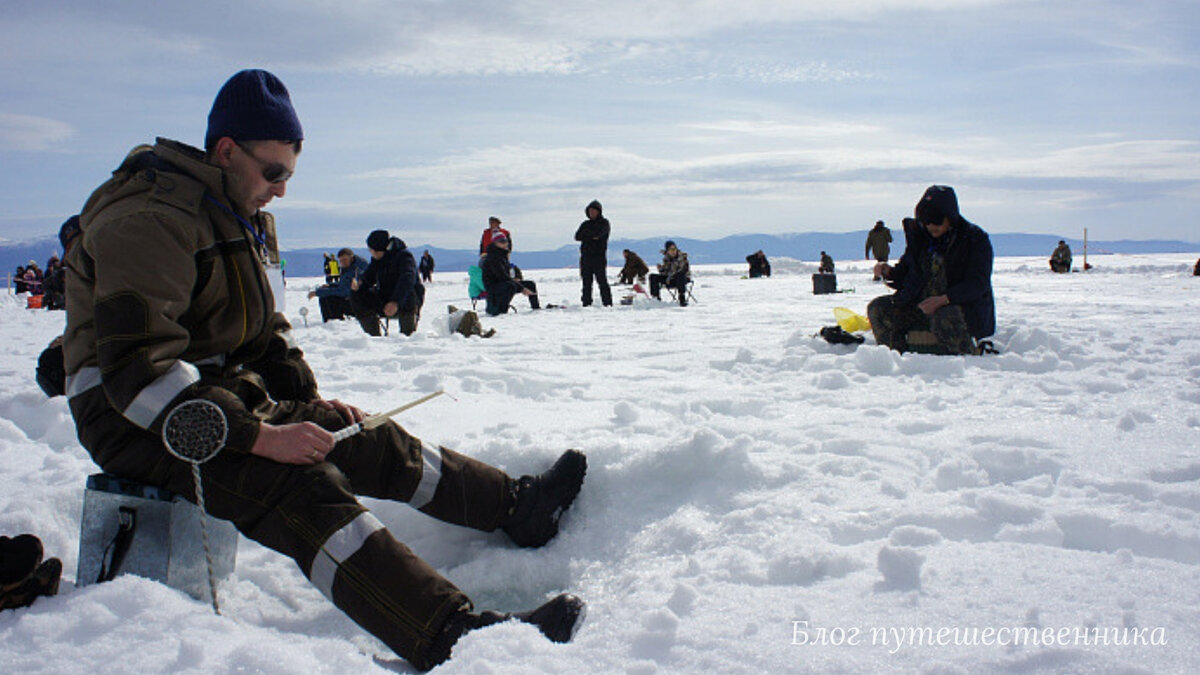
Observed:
{"x":272,"y":172}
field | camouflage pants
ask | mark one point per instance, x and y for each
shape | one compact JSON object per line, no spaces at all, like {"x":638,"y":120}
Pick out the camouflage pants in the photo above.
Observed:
{"x":892,"y":322}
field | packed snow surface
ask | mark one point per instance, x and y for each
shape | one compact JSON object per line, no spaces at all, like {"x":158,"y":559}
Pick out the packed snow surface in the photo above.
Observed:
{"x":758,"y":501}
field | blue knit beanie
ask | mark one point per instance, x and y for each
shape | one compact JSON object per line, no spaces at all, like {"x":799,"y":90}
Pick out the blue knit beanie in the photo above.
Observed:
{"x":253,"y":106}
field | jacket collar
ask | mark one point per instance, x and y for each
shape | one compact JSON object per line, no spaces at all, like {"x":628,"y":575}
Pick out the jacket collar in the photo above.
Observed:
{"x":190,"y":160}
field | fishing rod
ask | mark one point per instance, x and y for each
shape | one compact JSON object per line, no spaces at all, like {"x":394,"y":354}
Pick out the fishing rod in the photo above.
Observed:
{"x":376,"y":420}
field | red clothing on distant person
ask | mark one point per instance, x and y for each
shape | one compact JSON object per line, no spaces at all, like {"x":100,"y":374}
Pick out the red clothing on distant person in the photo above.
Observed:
{"x":490,"y":234}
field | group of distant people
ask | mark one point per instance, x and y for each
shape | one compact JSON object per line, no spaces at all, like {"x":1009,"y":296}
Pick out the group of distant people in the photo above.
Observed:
{"x":674,"y":273}
{"x":391,"y":285}
{"x":49,"y":285}
{"x":388,"y":287}
{"x":28,"y":278}
{"x":943,"y":301}
{"x":942,"y":281}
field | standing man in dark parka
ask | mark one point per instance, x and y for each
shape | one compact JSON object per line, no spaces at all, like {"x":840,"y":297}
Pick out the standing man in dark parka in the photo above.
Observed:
{"x":592,"y":236}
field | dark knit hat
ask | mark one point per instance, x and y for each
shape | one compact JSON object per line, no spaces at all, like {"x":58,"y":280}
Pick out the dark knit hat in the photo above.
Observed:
{"x":68,"y":232}
{"x":937,"y":204}
{"x":378,"y":240}
{"x":253,"y":106}
{"x":668,"y":245}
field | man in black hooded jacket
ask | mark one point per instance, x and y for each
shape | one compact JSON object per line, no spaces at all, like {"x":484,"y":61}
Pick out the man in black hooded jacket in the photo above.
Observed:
{"x":943,"y":281}
{"x":592,"y":236}
{"x":390,"y":287}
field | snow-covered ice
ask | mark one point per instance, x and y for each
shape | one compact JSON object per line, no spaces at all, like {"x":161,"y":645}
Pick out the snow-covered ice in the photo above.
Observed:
{"x":758,"y":501}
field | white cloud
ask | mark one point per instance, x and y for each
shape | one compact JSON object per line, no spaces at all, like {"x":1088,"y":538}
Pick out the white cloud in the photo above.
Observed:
{"x":830,"y":173}
{"x":1129,"y":161}
{"x":29,"y":133}
{"x":472,"y":52}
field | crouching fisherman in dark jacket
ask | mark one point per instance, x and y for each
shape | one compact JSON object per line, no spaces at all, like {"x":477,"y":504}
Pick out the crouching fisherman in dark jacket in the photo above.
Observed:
{"x":943,"y":281}
{"x":390,"y":287}
{"x":498,"y":279}
{"x":194,"y":326}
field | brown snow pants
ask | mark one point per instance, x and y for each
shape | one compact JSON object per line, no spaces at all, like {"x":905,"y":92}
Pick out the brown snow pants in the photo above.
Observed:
{"x":310,"y":513}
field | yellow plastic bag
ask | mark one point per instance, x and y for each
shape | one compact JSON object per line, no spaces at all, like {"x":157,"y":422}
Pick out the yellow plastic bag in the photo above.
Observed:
{"x":849,"y":321}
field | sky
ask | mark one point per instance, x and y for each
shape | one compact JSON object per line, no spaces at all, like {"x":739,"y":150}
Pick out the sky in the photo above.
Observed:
{"x":684,"y":118}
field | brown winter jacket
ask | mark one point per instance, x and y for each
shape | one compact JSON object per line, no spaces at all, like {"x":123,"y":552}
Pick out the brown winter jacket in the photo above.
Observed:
{"x":879,"y":241}
{"x":634,"y":266}
{"x":169,"y":301}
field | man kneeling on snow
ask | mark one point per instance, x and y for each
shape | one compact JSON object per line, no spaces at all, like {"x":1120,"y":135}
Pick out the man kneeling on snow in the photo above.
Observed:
{"x":943,"y":282}
{"x":196,"y":325}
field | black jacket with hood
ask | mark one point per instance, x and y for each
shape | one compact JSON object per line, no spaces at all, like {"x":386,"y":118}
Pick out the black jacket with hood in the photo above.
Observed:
{"x":968,"y":254}
{"x":496,"y":269}
{"x":395,"y":276}
{"x":593,"y":235}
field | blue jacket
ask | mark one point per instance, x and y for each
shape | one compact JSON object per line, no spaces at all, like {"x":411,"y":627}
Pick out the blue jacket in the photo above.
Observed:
{"x":393,"y":278}
{"x":341,"y":288}
{"x":968,"y":258}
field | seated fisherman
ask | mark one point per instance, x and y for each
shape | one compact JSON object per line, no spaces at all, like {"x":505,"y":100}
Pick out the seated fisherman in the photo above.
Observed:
{"x":943,"y":281}
{"x":673,"y":271}
{"x":826,"y":266}
{"x":334,"y":298}
{"x":1060,"y":260}
{"x":759,"y":265}
{"x":498,"y":279}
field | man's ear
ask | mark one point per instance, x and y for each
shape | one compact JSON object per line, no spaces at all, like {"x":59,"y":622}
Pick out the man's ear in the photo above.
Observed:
{"x":222,"y":154}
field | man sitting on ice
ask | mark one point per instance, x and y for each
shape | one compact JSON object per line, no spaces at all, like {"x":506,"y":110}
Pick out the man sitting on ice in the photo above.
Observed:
{"x":673,"y":272}
{"x":499,"y":279}
{"x":195,"y":327}
{"x":943,"y":282}
{"x":1060,"y":260}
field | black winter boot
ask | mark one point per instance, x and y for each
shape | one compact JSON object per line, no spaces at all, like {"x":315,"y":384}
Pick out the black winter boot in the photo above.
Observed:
{"x":19,"y":557}
{"x":558,"y":619}
{"x":541,"y":500}
{"x":42,"y":581}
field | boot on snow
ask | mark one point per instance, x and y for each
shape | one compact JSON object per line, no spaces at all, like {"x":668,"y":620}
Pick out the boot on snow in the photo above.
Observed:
{"x":541,"y":500}
{"x":19,"y":557}
{"x":23,"y":574}
{"x":558,"y":619}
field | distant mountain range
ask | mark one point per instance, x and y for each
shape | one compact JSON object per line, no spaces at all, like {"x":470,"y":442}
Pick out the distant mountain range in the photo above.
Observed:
{"x":733,"y":249}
